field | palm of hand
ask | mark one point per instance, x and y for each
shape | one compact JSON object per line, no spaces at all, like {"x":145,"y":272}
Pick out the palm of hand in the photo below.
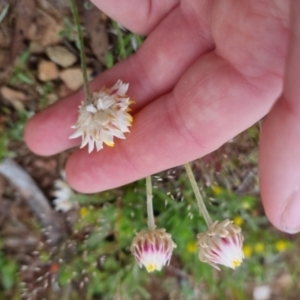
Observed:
{"x":207,"y":71}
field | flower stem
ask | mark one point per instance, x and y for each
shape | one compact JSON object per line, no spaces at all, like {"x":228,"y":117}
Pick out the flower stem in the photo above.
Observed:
{"x":81,"y":50}
{"x":151,"y":223}
{"x":201,"y":205}
{"x":120,"y":40}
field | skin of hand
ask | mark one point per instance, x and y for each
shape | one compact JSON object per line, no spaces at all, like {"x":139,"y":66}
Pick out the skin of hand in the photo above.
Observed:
{"x":207,"y":71}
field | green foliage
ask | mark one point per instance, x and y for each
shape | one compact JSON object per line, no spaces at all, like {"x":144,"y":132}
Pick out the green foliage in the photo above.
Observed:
{"x":4,"y":151}
{"x":103,"y":255}
{"x":109,"y":60}
{"x":16,"y":127}
{"x":70,"y":32}
{"x":13,"y":132}
{"x":109,"y":221}
{"x":7,"y":272}
{"x":127,"y":43}
{"x":21,"y":74}
{"x":44,"y":91}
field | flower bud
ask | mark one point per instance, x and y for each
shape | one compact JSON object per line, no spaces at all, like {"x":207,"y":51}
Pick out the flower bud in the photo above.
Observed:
{"x":221,"y":244}
{"x":153,"y":249}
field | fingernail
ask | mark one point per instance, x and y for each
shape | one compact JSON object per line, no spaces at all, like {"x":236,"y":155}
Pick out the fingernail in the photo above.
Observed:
{"x":290,"y":220}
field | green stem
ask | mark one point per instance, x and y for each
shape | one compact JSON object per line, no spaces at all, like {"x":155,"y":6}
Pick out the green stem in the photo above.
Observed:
{"x":81,"y":49}
{"x":200,"y":202}
{"x":151,"y":223}
{"x":120,"y":40}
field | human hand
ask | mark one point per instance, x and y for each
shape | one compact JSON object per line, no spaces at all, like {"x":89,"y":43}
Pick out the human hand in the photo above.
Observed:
{"x":207,"y":71}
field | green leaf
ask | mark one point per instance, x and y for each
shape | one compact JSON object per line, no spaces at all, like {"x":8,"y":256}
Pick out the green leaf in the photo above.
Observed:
{"x":8,"y":274}
{"x":23,"y":59}
{"x":24,"y":78}
{"x":109,"y":60}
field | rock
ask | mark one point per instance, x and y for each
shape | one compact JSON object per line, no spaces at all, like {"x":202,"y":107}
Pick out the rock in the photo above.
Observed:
{"x":72,"y":78}
{"x":35,"y":47}
{"x":262,"y":292}
{"x":47,"y":70}
{"x":52,"y":98}
{"x":61,"y":56}
{"x":14,"y":97}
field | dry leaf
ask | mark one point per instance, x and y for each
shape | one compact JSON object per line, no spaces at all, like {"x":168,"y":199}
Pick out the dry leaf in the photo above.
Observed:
{"x":98,"y":35}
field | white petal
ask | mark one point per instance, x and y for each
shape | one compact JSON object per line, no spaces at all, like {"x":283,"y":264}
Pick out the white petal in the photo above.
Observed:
{"x":123,"y":89}
{"x":99,"y":145}
{"x":107,"y":102}
{"x":118,"y":134}
{"x":106,"y":137}
{"x":63,"y":205}
{"x":85,"y":141}
{"x":76,"y":134}
{"x":91,"y":145}
{"x":91,"y":108}
{"x":119,"y":88}
{"x":123,"y":128}
{"x":115,"y":86}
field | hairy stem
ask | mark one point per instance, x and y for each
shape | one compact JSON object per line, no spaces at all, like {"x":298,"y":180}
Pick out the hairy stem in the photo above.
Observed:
{"x":151,"y":223}
{"x":201,"y":205}
{"x":81,"y":49}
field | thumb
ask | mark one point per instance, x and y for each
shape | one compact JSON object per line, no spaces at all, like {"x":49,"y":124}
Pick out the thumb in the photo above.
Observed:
{"x":280,"y":143}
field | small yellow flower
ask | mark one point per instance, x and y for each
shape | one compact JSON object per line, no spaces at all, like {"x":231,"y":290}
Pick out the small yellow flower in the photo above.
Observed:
{"x":217,"y":190}
{"x":239,"y":221}
{"x":191,"y":247}
{"x":259,"y":248}
{"x":247,"y":251}
{"x":281,"y":245}
{"x":83,"y":211}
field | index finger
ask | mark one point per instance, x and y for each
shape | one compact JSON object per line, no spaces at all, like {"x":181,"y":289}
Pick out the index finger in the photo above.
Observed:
{"x":151,"y":72}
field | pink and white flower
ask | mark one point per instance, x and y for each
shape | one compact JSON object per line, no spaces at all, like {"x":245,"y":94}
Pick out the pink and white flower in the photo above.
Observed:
{"x":221,"y":244}
{"x":153,"y":249}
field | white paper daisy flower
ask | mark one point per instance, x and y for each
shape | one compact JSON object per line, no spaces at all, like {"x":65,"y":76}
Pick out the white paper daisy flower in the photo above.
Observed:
{"x":63,"y":196}
{"x":105,"y":118}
